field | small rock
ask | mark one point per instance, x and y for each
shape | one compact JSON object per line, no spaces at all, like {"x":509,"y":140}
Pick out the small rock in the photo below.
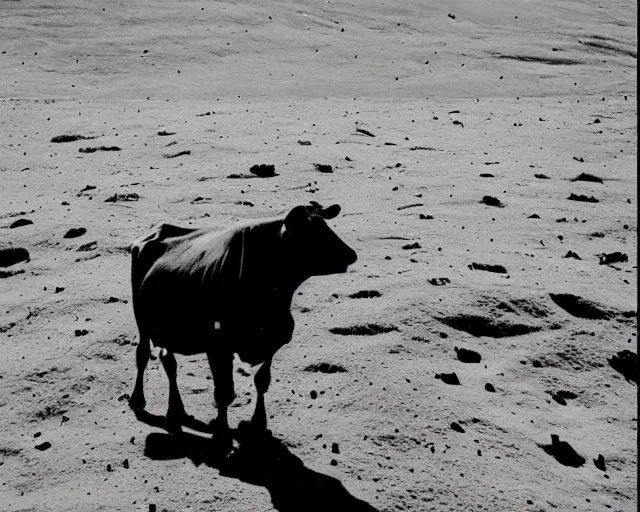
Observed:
{"x":414,"y":245}
{"x":335,"y":448}
{"x":313,"y":394}
{"x":334,"y":462}
{"x":448,"y":378}
{"x":614,"y":257}
{"x":20,"y":222}
{"x":492,"y":201}
{"x":572,"y":254}
{"x":489,"y":387}
{"x":75,"y":232}
{"x":12,"y":255}
{"x":456,"y":426}
{"x":43,"y":446}
{"x":125,"y":464}
{"x":599,"y":463}
{"x":263,"y":170}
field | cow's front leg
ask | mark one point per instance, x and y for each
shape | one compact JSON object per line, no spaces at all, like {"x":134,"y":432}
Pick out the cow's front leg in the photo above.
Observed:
{"x":143,"y":352}
{"x":175,"y":413}
{"x":222,"y":370}
{"x":262,"y":379}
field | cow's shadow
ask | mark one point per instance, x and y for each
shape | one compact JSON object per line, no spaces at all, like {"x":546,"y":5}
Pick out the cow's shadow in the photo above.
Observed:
{"x":268,"y":463}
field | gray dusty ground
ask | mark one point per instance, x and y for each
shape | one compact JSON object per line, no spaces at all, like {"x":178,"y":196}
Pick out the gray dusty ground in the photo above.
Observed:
{"x":511,"y":90}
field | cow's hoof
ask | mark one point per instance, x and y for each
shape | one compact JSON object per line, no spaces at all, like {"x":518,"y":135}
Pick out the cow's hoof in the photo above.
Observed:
{"x":249,"y":431}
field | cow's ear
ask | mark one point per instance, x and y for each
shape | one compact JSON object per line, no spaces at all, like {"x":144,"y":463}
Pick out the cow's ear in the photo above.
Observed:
{"x":296,"y":218}
{"x":331,"y":212}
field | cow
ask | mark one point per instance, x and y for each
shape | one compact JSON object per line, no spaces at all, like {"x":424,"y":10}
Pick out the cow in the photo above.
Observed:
{"x":227,"y":292}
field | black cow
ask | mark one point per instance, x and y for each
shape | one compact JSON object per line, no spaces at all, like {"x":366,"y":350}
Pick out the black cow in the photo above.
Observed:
{"x":224,"y":292}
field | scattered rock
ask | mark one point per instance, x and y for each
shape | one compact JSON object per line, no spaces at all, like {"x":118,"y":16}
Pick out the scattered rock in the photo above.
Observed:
{"x":408,"y":247}
{"x":313,"y":394}
{"x":489,"y":387}
{"x":205,"y":114}
{"x":487,"y":175}
{"x":583,"y":198}
{"x":263,"y":170}
{"x":467,"y":356}
{"x":456,"y":426}
{"x":587,"y":177}
{"x":625,"y":362}
{"x":482,"y":326}
{"x":129,"y":196}
{"x":534,"y":216}
{"x":175,"y":155}
{"x":99,"y":148}
{"x":599,"y":463}
{"x":614,"y":257}
{"x":365,"y":132}
{"x":325,"y":368}
{"x":572,"y":254}
{"x":439,"y":281}
{"x":81,"y":332}
{"x":87,"y":188}
{"x":423,"y":148}
{"x":452,"y":16}
{"x":365,"y":294}
{"x":448,"y":378}
{"x":542,"y":176}
{"x":12,"y":255}
{"x":363,"y":330}
{"x":334,"y":462}
{"x":426,"y":217}
{"x":335,"y":448}
{"x":323,"y":168}
{"x":75,"y":232}
{"x":164,"y":133}
{"x":43,"y":446}
{"x":458,"y":123}
{"x":563,"y":219}
{"x":406,"y":206}
{"x":498,"y":269}
{"x":9,"y":273}
{"x":579,"y":307}
{"x":304,"y":142}
{"x":125,"y":464}
{"x":492,"y":201}
{"x":69,"y":138}
{"x":89,"y":246}
{"x":563,"y":452}
{"x":20,"y":222}
{"x":578,"y":159}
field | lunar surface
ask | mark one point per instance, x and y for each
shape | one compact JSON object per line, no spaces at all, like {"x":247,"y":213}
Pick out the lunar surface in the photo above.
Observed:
{"x":479,"y":355}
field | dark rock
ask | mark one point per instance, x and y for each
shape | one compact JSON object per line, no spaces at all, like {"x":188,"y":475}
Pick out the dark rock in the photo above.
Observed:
{"x":583,"y":198}
{"x":175,"y":155}
{"x":365,"y":294}
{"x":414,"y":245}
{"x":587,"y":177}
{"x":563,"y":452}
{"x":448,"y":378}
{"x":365,"y":132}
{"x":43,"y":446}
{"x":100,"y":148}
{"x":467,"y":356}
{"x":456,"y":426}
{"x":492,"y":201}
{"x":572,"y":254}
{"x":164,"y":133}
{"x":614,"y":257}
{"x":75,"y":232}
{"x":625,"y":362}
{"x":313,"y":394}
{"x":542,"y":176}
{"x":439,"y":281}
{"x":498,"y":269}
{"x":20,"y":222}
{"x":263,"y":170}
{"x":426,"y":217}
{"x":579,"y":307}
{"x":323,"y":168}
{"x":69,"y":138}
{"x":335,"y":448}
{"x":489,"y":387}
{"x":12,"y":255}
{"x":534,"y":216}
{"x":599,"y":463}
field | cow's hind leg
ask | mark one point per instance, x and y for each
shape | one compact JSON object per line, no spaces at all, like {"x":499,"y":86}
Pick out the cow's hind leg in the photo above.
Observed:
{"x":175,"y":413}
{"x":143,"y":352}
{"x":262,"y":379}
{"x":221,"y":365}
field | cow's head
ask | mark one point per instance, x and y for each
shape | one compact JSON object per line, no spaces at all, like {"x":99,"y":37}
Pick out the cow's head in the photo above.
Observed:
{"x":311,"y":245}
